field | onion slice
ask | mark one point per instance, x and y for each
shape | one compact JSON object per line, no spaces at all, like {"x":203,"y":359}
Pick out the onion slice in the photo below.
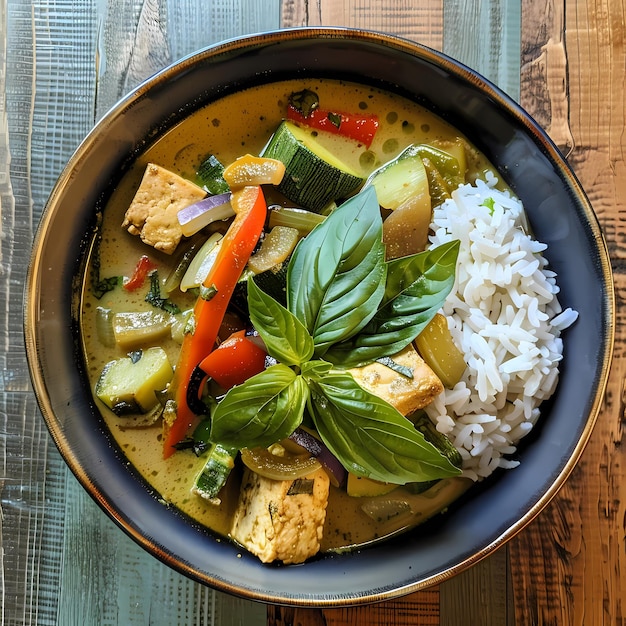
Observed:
{"x":279,"y":467}
{"x":200,"y":214}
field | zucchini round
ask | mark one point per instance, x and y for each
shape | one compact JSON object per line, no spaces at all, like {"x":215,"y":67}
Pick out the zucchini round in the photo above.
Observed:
{"x":314,"y":177}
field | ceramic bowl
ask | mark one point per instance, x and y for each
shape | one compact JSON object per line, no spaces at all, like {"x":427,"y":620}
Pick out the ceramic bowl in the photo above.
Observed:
{"x":559,"y":212}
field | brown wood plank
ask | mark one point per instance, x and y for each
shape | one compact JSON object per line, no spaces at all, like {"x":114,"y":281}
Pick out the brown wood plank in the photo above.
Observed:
{"x":421,"y":607}
{"x":568,"y":567}
{"x":479,"y":595}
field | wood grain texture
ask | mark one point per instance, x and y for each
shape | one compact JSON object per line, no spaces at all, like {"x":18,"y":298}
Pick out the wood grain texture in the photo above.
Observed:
{"x":496,"y":53}
{"x":419,"y":21}
{"x":570,"y":564}
{"x":488,"y":585}
{"x":62,"y":64}
{"x":420,"y":608}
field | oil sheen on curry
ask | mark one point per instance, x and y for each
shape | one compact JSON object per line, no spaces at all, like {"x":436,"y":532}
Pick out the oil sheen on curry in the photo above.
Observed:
{"x":255,"y":323}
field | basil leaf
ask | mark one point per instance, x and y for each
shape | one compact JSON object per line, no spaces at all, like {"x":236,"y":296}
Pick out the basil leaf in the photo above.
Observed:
{"x":315,"y":369}
{"x":334,"y":119}
{"x":285,"y":337}
{"x":305,"y":101}
{"x":154,"y":297}
{"x":369,"y":436}
{"x":267,"y":407}
{"x":416,"y":289}
{"x":336,"y":276}
{"x":423,"y":275}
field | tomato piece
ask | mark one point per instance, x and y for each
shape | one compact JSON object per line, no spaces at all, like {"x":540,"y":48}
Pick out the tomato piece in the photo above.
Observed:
{"x":361,"y":128}
{"x":144,"y":266}
{"x":234,"y":361}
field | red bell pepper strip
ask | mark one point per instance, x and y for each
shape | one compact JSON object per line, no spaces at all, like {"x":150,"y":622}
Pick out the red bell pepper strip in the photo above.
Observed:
{"x":144,"y":266}
{"x":234,"y":361}
{"x":361,"y":128}
{"x":238,"y":243}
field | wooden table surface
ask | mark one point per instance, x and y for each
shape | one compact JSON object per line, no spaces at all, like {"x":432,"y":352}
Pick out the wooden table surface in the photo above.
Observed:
{"x":62,"y":64}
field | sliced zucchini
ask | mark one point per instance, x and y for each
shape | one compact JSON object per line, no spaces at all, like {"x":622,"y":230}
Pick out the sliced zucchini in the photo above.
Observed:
{"x":215,"y":472}
{"x":402,"y":186}
{"x":134,"y":329}
{"x":104,"y":326}
{"x":210,"y":175}
{"x":274,"y":283}
{"x":400,"y":181}
{"x":449,"y":160}
{"x":314,"y":177}
{"x":129,"y":385}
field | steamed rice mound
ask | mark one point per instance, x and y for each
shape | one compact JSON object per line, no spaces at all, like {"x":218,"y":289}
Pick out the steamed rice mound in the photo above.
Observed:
{"x":505,"y":316}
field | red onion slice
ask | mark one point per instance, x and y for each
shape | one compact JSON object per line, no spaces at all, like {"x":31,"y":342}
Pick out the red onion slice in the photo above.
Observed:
{"x":337,"y":473}
{"x":200,"y":214}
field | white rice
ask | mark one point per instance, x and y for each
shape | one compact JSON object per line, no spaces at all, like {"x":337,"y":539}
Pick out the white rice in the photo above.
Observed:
{"x":505,"y":316}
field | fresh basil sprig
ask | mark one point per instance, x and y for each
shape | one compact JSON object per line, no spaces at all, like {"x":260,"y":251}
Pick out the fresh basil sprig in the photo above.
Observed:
{"x":345,"y":304}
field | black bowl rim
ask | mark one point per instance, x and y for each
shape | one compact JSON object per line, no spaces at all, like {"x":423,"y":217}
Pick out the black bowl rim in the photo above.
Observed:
{"x":36,"y":273}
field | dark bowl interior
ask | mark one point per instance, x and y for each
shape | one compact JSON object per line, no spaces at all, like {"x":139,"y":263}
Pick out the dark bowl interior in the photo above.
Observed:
{"x":560,"y":216}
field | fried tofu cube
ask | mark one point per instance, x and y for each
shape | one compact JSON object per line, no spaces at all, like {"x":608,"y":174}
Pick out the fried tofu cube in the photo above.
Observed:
{"x":404,"y":393}
{"x":153,"y":212}
{"x":281,"y":520}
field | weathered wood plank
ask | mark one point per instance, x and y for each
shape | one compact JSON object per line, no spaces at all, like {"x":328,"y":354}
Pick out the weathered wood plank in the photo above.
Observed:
{"x":570,"y":563}
{"x":32,"y":485}
{"x":419,"y":21}
{"x":62,"y":64}
{"x":544,"y":69}
{"x":495,"y":53}
{"x":480,"y":595}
